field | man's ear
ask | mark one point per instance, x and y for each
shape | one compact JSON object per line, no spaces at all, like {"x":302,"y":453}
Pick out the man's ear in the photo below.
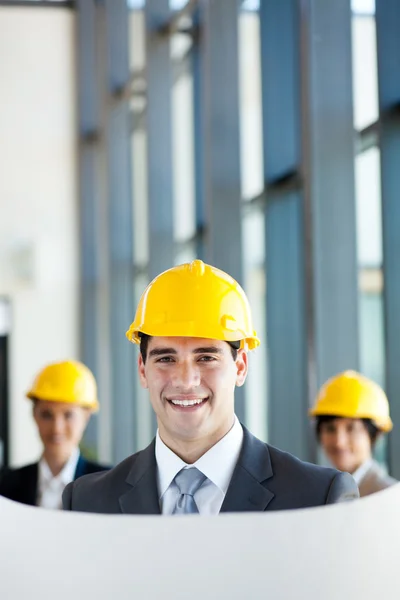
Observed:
{"x":241,"y":367}
{"x":142,"y":373}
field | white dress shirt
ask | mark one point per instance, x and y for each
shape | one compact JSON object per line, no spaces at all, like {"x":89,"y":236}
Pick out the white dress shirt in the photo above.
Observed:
{"x":217,"y":464}
{"x":50,"y":488}
{"x":362,"y":470}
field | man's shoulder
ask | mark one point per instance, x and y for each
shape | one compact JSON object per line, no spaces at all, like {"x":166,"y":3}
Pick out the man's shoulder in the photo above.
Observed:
{"x":107,"y":476}
{"x":100,"y":491}
{"x":89,"y":467}
{"x":287,"y":464}
{"x":308,"y":484}
{"x":296,"y":483}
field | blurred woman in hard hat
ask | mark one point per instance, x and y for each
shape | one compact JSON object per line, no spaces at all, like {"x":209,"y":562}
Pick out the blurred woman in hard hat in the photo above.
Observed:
{"x":351,"y":412}
{"x":64,"y":395}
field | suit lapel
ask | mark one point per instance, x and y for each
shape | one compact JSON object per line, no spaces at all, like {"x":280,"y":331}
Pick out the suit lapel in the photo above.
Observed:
{"x":247,"y":491}
{"x":80,"y":467}
{"x":142,"y":495}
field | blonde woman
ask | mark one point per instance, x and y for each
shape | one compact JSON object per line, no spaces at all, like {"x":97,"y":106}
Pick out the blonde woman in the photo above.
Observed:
{"x":64,"y":396}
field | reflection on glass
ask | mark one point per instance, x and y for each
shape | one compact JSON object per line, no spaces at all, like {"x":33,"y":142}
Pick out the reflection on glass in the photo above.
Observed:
{"x":364,"y":7}
{"x":369,"y":208}
{"x":250,"y":106}
{"x":173,"y":4}
{"x":137,"y":41}
{"x":365,"y":74}
{"x":180,"y":45}
{"x":183,"y":158}
{"x":140,"y":198}
{"x":255,"y":287}
{"x":372,"y":344}
{"x":185,"y":253}
{"x":144,"y":427}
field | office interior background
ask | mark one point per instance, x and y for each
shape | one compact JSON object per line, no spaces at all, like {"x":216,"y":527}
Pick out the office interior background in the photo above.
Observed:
{"x":260,"y":136}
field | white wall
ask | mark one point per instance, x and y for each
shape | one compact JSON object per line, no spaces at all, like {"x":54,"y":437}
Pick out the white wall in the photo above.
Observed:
{"x":38,"y":201}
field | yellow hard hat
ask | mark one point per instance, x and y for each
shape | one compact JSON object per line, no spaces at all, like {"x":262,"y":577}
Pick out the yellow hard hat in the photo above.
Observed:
{"x":353,"y":396}
{"x":194,"y":300}
{"x":69,"y":381}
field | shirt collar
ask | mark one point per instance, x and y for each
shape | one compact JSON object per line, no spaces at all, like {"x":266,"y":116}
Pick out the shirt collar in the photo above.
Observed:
{"x":362,"y":470}
{"x":66,"y":475}
{"x":217,"y":464}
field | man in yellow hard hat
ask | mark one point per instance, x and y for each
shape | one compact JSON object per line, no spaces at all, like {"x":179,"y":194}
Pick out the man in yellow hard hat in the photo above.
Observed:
{"x":64,"y":395}
{"x":351,"y":412}
{"x":194,"y":327}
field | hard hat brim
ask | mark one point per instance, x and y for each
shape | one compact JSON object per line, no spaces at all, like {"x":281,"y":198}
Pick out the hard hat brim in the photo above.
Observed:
{"x":93,"y":406}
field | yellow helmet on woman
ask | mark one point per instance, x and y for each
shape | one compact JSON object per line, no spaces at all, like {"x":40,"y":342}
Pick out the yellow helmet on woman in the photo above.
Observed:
{"x":69,"y":381}
{"x":351,"y":395}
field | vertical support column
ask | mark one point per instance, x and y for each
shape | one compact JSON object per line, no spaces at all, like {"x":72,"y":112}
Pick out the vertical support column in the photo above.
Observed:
{"x":311,"y":234}
{"x":159,"y":132}
{"x":89,"y":157}
{"x":120,"y":207}
{"x":285,"y":256}
{"x":198,"y":138}
{"x":221,"y":142}
{"x":328,"y":146}
{"x":221,"y":135}
{"x":388,"y":45}
{"x":159,"y":141}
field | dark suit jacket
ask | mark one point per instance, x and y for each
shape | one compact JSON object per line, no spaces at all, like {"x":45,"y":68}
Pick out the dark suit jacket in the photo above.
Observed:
{"x":264,"y":479}
{"x":21,"y":484}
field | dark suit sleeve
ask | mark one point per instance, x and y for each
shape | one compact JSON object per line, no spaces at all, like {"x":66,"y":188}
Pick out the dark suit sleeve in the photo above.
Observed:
{"x":5,"y":483}
{"x":342,"y":489}
{"x":67,"y":497}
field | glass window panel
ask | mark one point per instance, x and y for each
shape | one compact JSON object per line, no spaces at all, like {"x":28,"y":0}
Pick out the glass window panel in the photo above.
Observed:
{"x":174,"y":4}
{"x":255,"y":287}
{"x":372,"y":348}
{"x":177,"y":4}
{"x":372,"y":340}
{"x":140,"y":198}
{"x":251,"y":5}
{"x":185,"y":253}
{"x":183,"y":158}
{"x":368,"y":207}
{"x":137,"y":40}
{"x":250,"y":106}
{"x":180,"y":45}
{"x":144,"y":426}
{"x":365,"y":74}
{"x":365,"y":7}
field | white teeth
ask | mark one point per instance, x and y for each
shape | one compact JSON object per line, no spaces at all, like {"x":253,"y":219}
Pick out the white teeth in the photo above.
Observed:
{"x":187,"y":402}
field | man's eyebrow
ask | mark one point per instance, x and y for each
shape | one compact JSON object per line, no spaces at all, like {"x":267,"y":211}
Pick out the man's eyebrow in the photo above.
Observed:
{"x":208,"y":350}
{"x":161,"y":351}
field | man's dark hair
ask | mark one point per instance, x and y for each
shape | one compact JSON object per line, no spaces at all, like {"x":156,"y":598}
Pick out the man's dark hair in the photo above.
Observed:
{"x":372,"y":430}
{"x":144,"y":342}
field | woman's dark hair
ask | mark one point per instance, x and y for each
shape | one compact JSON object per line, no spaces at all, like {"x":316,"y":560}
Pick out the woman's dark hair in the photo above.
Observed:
{"x":144,"y":342}
{"x":372,"y":430}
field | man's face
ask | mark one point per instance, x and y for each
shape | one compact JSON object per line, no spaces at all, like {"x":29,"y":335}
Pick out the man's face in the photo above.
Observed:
{"x":346,"y":443}
{"x":191,"y":382}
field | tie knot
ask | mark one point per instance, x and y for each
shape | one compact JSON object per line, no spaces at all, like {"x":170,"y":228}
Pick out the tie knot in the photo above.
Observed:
{"x":189,"y":481}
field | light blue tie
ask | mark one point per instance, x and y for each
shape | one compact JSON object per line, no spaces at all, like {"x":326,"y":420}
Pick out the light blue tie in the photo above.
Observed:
{"x":188,"y":482}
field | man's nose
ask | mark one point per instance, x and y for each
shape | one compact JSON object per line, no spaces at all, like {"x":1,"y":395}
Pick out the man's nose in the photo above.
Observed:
{"x":186,"y":376}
